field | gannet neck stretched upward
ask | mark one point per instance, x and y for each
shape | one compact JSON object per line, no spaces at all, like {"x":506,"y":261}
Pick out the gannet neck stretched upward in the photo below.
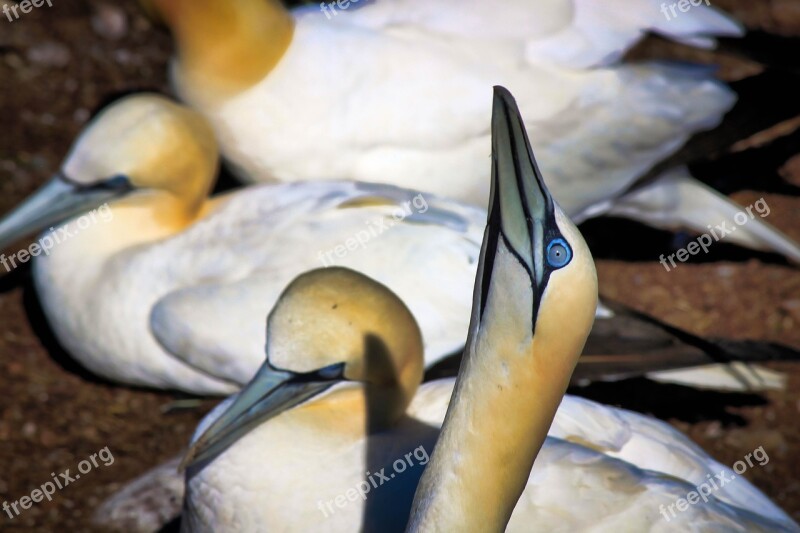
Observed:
{"x":319,"y":422}
{"x":533,"y":264}
{"x":533,"y":309}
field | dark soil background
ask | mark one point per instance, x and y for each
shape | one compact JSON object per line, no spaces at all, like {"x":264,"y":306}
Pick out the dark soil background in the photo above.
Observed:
{"x":58,"y":65}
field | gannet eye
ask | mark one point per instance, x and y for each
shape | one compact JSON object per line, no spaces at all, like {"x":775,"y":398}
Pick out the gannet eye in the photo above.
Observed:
{"x":558,"y":253}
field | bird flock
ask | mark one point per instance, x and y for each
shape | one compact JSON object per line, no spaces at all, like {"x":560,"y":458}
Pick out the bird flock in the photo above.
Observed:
{"x":395,"y":224}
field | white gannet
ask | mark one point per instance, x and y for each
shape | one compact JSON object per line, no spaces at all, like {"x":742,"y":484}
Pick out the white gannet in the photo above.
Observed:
{"x":395,"y":92}
{"x":167,"y":277}
{"x":167,"y":269}
{"x":313,"y":442}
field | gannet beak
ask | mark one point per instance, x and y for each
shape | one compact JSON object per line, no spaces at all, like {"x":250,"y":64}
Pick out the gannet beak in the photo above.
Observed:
{"x":521,"y":210}
{"x":268,"y":394}
{"x":56,"y":201}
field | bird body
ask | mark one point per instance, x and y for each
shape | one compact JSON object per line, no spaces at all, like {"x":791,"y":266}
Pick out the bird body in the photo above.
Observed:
{"x":345,"y":88}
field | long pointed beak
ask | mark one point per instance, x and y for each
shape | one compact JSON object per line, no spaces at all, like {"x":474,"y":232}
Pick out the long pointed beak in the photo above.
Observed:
{"x":521,"y":210}
{"x":56,"y":201}
{"x":271,"y":392}
{"x":520,"y":200}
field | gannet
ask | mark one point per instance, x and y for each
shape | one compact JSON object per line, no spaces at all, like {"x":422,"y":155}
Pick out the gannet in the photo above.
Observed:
{"x":328,"y":434}
{"x":395,"y":92}
{"x":132,"y":294}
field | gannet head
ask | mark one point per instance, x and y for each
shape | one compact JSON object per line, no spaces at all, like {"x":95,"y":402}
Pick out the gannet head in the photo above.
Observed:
{"x":330,"y":326}
{"x":143,"y":146}
{"x":533,"y":259}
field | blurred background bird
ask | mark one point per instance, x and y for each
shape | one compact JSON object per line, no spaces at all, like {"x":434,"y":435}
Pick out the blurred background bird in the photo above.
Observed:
{"x":398,"y":96}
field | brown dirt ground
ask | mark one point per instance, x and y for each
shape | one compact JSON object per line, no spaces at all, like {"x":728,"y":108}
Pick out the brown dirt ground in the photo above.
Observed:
{"x":58,"y":65}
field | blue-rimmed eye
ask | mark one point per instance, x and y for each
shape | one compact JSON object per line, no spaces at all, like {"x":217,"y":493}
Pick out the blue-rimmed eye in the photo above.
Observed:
{"x":558,"y":253}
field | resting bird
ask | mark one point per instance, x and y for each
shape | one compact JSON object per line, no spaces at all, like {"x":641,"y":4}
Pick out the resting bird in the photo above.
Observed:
{"x":163,"y":287}
{"x":334,"y":431}
{"x":394,"y":92}
{"x":154,"y":288}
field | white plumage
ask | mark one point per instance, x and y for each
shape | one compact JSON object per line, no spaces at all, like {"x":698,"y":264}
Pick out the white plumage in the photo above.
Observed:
{"x":182,"y":311}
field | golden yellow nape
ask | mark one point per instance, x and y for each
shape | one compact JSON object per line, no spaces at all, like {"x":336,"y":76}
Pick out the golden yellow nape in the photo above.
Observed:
{"x":162,"y":148}
{"x":357,"y":320}
{"x":225,"y":46}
